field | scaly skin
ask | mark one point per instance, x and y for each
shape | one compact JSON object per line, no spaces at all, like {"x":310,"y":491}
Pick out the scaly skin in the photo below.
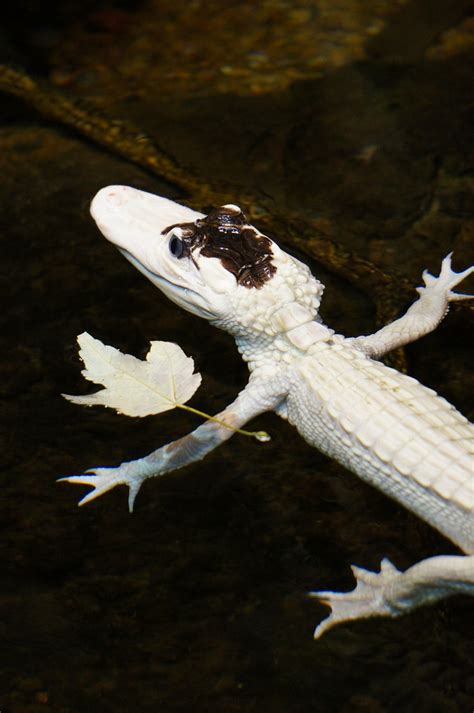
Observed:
{"x":130,"y":142}
{"x":383,"y":425}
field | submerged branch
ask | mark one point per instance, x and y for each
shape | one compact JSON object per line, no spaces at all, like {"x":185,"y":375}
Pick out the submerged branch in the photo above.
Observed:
{"x":125,"y":140}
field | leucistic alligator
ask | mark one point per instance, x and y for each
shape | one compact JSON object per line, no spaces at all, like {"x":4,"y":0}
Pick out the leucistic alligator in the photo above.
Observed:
{"x":384,"y":426}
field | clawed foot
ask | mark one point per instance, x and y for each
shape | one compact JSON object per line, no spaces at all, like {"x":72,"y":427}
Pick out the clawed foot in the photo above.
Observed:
{"x":446,"y":280}
{"x":393,"y":593}
{"x":366,"y":600}
{"x":105,"y":479}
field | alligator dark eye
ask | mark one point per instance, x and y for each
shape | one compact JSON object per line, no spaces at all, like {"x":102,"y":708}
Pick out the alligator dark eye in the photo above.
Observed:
{"x":176,"y":246}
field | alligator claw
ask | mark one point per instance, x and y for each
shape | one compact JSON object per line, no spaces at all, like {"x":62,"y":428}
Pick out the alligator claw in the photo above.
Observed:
{"x":366,"y":600}
{"x":104,"y":479}
{"x":446,"y":280}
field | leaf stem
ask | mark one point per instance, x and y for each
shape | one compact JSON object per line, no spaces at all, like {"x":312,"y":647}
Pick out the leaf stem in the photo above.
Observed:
{"x":261,"y":436}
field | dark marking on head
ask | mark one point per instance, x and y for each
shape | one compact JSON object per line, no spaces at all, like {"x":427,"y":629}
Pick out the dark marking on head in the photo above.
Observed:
{"x":226,"y":234}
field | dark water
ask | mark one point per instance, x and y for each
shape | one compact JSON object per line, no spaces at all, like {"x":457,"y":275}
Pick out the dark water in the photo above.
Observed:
{"x":198,"y":601}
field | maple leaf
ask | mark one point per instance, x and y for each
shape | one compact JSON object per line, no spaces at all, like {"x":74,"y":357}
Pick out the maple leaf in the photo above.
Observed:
{"x":136,"y":387}
{"x":164,"y":380}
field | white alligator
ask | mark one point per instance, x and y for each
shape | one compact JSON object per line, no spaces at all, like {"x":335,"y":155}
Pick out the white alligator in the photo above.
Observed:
{"x":386,"y":427}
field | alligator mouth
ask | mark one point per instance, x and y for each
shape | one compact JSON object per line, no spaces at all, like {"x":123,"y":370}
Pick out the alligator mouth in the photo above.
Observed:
{"x":189,"y":300}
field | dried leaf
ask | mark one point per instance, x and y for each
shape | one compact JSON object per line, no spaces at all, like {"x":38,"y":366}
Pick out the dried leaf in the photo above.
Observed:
{"x":136,"y":387}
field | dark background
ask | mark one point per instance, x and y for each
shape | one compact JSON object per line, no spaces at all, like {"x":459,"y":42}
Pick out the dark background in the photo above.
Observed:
{"x":357,"y":115}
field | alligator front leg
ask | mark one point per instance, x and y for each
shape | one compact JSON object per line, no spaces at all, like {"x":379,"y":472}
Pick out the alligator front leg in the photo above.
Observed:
{"x":394,"y":593}
{"x":422,"y":317}
{"x":258,"y":396}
